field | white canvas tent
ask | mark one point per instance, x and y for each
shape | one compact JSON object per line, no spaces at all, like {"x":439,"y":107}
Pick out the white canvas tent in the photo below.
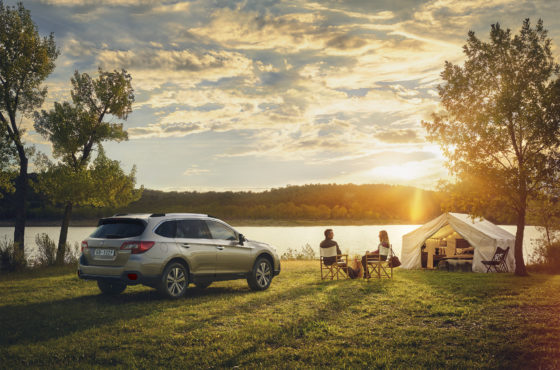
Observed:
{"x":481,"y":234}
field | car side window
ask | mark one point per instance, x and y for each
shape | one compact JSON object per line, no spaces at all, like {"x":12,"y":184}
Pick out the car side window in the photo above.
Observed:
{"x":192,"y":229}
{"x":167,"y":229}
{"x":220,"y":231}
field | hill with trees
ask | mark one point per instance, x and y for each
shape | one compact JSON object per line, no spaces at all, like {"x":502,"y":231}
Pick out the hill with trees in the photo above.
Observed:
{"x":372,"y":203}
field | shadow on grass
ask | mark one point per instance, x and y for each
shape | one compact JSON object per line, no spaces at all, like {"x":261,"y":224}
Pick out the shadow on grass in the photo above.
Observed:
{"x":36,"y":322}
{"x":473,"y":285}
{"x":338,"y":298}
{"x":38,"y":273}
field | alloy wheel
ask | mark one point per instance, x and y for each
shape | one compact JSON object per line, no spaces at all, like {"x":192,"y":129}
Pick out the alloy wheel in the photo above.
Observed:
{"x":176,"y":281}
{"x":264,"y":274}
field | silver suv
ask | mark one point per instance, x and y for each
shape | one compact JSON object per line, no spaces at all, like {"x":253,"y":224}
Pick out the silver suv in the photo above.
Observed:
{"x":168,"y":251}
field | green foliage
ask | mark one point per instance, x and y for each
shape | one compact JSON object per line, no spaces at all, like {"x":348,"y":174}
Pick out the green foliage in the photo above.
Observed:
{"x":46,"y":248}
{"x":102,"y":184}
{"x":8,"y":166}
{"x":305,"y":253}
{"x":546,"y":257}
{"x":499,"y":127}
{"x":545,"y":212}
{"x":26,"y":59}
{"x":305,"y":205}
{"x":382,"y":203}
{"x":11,"y":258}
{"x":76,"y":128}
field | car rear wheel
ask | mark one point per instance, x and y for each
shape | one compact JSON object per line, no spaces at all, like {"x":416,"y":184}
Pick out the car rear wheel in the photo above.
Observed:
{"x":261,"y":276}
{"x":174,"y":281}
{"x":111,"y":287}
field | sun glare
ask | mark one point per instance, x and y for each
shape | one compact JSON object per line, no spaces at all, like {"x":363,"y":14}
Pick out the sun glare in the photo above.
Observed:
{"x":404,"y":172}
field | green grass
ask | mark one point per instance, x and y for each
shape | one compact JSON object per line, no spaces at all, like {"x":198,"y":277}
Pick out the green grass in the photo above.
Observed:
{"x":420,"y":319}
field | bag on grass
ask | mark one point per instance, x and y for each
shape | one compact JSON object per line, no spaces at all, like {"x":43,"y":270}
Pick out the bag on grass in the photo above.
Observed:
{"x":394,"y":262}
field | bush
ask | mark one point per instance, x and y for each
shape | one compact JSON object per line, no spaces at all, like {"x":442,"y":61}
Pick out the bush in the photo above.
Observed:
{"x":72,"y":254}
{"x":306,"y":253}
{"x":48,"y":248}
{"x":546,"y":257}
{"x":11,"y":258}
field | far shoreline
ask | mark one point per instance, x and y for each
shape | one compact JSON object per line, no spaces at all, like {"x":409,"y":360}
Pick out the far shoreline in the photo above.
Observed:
{"x":241,"y":223}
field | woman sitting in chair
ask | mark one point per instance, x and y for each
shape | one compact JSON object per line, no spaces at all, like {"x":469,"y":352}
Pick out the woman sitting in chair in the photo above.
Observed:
{"x":382,"y":251}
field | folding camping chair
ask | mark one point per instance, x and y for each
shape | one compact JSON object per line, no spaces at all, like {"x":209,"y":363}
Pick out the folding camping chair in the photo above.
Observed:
{"x":498,"y":261}
{"x":376,"y":267}
{"x":338,"y":269}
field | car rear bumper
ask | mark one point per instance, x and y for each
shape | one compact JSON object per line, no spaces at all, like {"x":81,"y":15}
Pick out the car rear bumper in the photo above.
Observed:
{"x":130,"y":277}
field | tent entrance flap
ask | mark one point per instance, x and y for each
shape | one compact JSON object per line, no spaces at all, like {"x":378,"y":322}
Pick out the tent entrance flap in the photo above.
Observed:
{"x":445,"y":244}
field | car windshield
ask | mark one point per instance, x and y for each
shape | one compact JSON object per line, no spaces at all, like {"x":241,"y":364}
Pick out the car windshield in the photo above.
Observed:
{"x":118,"y":228}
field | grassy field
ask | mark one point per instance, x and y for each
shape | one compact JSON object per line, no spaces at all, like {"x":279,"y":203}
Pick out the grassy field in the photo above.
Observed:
{"x":431,"y":319}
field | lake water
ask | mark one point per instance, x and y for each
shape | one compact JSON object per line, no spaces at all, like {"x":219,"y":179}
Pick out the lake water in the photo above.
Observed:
{"x":352,"y":239}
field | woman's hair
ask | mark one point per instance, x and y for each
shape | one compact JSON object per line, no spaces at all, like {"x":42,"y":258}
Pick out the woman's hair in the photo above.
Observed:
{"x":383,"y":236}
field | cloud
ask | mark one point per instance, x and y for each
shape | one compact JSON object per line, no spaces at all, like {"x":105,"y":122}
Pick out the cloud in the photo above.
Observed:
{"x":195,"y":170}
{"x":345,"y":42}
{"x":318,"y":83}
{"x":152,"y":68}
{"x":165,"y":130}
{"x":183,"y":60}
{"x":399,"y":136}
{"x":71,"y":3}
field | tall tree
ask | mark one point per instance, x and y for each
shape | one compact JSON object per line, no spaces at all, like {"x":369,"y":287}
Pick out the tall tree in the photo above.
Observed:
{"x":76,"y":128}
{"x":26,"y":59}
{"x":8,"y":166}
{"x":101,"y":183}
{"x":499,"y":127}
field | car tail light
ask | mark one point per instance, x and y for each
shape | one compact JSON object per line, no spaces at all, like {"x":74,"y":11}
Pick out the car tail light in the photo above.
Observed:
{"x":84,"y":245}
{"x":133,"y":276}
{"x":137,"y":247}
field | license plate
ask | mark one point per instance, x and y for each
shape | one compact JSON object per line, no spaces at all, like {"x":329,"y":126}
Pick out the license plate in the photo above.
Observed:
{"x":104,"y":252}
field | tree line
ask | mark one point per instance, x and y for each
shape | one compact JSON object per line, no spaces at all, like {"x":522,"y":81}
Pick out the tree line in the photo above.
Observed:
{"x":372,"y":203}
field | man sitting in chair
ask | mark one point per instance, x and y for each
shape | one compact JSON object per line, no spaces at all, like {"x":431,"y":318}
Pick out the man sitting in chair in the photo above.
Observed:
{"x":328,"y":243}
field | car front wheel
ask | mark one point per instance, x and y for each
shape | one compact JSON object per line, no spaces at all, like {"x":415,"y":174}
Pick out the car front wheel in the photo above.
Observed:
{"x":261,"y":276}
{"x":111,"y":287}
{"x":174,"y":281}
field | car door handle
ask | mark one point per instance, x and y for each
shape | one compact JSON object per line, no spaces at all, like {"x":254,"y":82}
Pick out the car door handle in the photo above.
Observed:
{"x":185,"y":245}
{"x":220,"y":247}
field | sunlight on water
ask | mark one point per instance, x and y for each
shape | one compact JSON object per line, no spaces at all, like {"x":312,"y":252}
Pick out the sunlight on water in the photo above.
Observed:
{"x":352,"y":239}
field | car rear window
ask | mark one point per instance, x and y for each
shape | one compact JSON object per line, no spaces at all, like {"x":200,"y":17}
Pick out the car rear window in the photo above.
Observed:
{"x":118,"y":228}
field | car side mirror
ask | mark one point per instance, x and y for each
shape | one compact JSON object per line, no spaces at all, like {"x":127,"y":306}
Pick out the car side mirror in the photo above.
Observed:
{"x":242,"y":239}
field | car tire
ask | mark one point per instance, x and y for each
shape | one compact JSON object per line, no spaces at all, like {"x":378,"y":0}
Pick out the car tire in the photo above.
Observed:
{"x":111,"y":287}
{"x":261,"y":276}
{"x":203,"y":285}
{"x":174,"y":280}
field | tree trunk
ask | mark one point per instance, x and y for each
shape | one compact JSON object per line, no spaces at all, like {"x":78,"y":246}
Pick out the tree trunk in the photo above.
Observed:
{"x":21,"y":205}
{"x":61,"y":251}
{"x":520,"y":269}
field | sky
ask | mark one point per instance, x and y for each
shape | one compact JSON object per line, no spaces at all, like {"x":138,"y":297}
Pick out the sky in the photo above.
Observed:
{"x":260,"y":94}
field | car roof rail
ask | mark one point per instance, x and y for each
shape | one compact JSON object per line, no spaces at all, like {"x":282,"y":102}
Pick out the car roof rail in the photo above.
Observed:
{"x":157,"y":215}
{"x":120,"y":214}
